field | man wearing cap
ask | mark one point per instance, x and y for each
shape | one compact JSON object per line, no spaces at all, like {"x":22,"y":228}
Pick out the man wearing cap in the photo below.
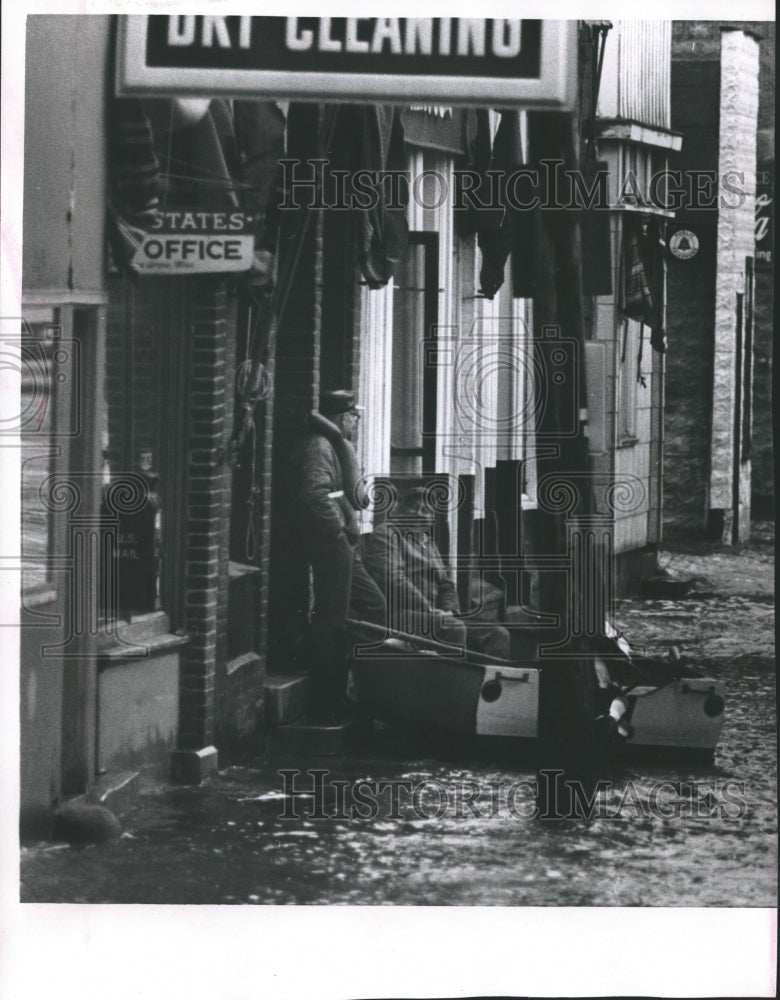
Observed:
{"x":325,"y":494}
{"x":421,"y":595}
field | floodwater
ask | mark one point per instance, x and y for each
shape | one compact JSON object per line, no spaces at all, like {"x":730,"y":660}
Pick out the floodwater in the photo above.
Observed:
{"x":705,"y":838}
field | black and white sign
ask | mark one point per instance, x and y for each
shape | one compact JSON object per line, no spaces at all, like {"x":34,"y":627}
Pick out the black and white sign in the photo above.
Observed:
{"x":496,"y":61}
{"x":684,"y":244}
{"x":195,"y":242}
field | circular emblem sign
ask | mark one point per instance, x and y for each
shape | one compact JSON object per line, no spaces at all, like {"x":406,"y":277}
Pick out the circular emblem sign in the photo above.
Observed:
{"x":684,"y":244}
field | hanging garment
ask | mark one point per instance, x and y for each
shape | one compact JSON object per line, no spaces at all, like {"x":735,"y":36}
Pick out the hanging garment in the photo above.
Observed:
{"x":494,"y":235}
{"x":501,"y":225}
{"x":134,"y":168}
{"x":260,"y":140}
{"x":477,"y":143}
{"x":364,"y":142}
{"x":637,"y":295}
{"x":134,"y":178}
{"x":383,"y":233}
{"x":643,"y":276}
{"x":657,"y":229}
{"x":496,"y":229}
{"x":259,"y":130}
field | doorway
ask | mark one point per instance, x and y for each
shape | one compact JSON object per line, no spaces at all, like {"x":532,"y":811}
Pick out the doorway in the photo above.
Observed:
{"x":415,"y":373}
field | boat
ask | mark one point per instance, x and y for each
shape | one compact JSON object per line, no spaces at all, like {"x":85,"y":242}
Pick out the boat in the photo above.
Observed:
{"x":645,"y":706}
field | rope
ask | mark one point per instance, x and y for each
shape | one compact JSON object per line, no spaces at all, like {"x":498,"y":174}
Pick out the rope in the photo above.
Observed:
{"x":250,"y":541}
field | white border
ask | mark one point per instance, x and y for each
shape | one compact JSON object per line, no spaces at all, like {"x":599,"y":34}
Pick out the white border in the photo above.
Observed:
{"x":554,"y":89}
{"x":86,"y":952}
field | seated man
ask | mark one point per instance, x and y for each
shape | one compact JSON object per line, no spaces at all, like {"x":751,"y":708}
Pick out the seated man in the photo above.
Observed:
{"x":403,"y":558}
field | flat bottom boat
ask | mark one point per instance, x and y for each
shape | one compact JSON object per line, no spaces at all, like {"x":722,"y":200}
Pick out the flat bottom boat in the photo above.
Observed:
{"x":645,"y":705}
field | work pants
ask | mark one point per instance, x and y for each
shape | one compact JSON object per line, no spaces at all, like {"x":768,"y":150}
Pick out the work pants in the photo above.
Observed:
{"x":342,"y":588}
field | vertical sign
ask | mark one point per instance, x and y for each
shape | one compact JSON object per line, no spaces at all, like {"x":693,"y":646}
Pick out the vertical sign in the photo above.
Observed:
{"x":765,"y":216}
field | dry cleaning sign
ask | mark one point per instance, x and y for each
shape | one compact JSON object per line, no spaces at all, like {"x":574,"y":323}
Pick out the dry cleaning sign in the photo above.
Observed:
{"x":195,"y":242}
{"x":477,"y":61}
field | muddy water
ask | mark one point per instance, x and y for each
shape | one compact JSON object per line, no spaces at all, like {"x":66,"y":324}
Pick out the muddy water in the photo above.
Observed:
{"x":469,"y":838}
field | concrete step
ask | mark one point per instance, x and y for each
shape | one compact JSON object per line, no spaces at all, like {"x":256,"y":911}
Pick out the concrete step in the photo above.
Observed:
{"x":318,"y":739}
{"x":137,"y":631}
{"x":116,"y":790}
{"x":286,"y":698}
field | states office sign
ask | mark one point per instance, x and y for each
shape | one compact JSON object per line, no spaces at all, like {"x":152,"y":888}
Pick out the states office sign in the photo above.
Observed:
{"x":194,"y":242}
{"x":449,"y":60}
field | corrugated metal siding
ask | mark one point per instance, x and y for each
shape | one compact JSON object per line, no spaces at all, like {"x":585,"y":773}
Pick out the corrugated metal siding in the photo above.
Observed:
{"x":644,"y":63}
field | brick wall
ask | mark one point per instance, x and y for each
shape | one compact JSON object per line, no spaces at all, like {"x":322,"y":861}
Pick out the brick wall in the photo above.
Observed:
{"x":265,"y":482}
{"x":243,"y":624}
{"x":296,"y":391}
{"x":340,"y":352}
{"x":208,"y":500}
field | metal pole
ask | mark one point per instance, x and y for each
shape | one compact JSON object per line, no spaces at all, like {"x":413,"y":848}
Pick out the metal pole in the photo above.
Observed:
{"x":566,"y":706}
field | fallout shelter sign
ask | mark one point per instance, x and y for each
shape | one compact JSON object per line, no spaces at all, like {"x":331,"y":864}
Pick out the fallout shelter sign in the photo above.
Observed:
{"x":495,"y":61}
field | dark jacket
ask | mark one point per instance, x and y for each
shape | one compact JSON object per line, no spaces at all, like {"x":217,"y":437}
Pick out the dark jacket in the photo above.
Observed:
{"x":409,"y":569}
{"x":316,"y":473}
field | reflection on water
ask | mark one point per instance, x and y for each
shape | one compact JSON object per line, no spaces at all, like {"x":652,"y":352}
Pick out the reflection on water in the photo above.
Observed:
{"x":227,"y":843}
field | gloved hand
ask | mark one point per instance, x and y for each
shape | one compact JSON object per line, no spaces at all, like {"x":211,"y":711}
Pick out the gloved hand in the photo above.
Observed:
{"x":352,"y":534}
{"x":444,"y":619}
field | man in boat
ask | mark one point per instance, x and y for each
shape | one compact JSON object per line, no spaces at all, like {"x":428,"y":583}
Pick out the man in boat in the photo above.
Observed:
{"x":325,"y":494}
{"x":421,"y":596}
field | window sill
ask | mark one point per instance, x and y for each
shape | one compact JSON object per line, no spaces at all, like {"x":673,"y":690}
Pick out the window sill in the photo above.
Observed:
{"x":142,"y":635}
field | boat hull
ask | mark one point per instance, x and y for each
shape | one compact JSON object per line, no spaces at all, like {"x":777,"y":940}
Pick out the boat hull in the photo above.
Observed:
{"x":685,"y":714}
{"x":425,"y":689}
{"x":450,"y":693}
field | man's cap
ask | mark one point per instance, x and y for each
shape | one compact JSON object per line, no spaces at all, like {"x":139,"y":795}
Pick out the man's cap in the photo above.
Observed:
{"x":412,"y":493}
{"x":337,"y":401}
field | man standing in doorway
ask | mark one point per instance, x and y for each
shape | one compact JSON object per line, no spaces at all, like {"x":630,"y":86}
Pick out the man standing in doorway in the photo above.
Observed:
{"x":326,"y":493}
